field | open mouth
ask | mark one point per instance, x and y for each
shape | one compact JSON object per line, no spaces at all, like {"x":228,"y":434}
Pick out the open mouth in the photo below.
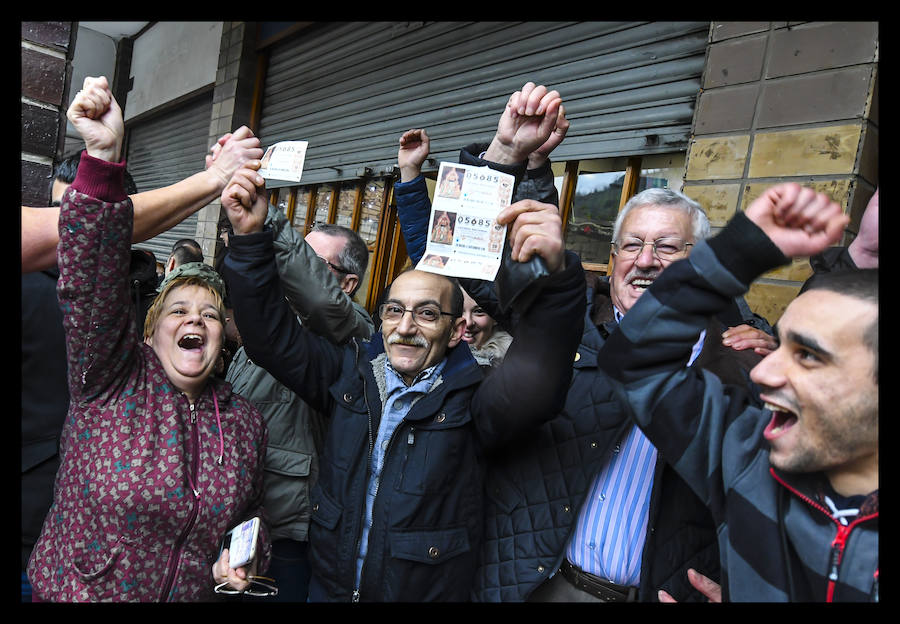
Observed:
{"x":641,"y":283}
{"x":191,"y":342}
{"x":782,"y":420}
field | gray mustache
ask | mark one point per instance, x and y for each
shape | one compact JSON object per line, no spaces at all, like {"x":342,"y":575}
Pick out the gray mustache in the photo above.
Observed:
{"x":413,"y":341}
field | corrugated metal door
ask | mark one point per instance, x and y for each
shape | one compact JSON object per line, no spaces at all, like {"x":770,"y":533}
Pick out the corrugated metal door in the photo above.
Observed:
{"x":166,"y":149}
{"x":351,"y":89}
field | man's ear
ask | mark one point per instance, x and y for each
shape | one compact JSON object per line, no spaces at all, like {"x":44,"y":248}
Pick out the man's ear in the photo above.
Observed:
{"x":170,"y":264}
{"x":348,"y":284}
{"x":457,"y":329}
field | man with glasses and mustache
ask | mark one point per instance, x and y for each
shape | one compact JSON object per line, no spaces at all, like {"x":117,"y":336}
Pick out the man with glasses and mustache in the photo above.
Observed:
{"x":398,"y":508}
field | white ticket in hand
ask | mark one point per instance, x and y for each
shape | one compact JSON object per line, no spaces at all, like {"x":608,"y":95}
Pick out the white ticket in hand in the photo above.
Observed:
{"x":284,"y":161}
{"x":465,"y":239}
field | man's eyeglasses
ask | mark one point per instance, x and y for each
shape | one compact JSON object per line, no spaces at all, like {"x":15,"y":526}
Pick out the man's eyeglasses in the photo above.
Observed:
{"x":423,"y":315}
{"x":335,"y":267}
{"x":259,"y":586}
{"x":663,"y":248}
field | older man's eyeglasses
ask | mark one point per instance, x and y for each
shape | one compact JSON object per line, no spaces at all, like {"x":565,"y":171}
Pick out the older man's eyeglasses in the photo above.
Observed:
{"x":334,"y":267}
{"x":423,"y":315}
{"x":259,"y":586}
{"x":669,"y":248}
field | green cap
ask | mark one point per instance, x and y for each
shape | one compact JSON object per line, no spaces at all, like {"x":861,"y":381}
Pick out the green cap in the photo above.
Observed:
{"x":196,"y":269}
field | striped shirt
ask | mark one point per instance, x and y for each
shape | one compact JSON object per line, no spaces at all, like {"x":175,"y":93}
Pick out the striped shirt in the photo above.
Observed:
{"x":612,"y":524}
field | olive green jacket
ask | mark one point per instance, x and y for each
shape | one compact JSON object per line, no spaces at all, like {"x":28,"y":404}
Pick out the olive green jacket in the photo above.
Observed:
{"x":295,"y":429}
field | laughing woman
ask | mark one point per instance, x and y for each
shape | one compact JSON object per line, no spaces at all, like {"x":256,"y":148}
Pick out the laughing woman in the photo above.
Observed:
{"x":158,"y":460}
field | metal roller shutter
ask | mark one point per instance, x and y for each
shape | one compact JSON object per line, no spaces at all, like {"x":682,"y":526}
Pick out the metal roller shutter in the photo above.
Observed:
{"x":351,"y":89}
{"x":167,"y":149}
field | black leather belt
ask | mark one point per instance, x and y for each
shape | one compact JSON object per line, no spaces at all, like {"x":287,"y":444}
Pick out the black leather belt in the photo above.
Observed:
{"x":596,"y":586}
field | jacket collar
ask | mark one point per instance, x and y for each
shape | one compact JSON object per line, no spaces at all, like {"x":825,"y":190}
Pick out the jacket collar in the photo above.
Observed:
{"x":814,"y":487}
{"x":459,"y":358}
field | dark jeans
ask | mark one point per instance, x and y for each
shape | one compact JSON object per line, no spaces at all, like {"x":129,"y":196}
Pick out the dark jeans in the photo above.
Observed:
{"x":290,"y":568}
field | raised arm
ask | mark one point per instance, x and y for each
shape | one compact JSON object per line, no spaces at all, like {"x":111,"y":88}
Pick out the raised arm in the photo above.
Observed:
{"x":686,"y":412}
{"x":94,"y":229}
{"x":308,"y":283}
{"x":303,"y":362}
{"x":411,"y":193}
{"x":531,"y":384}
{"x":155,"y":211}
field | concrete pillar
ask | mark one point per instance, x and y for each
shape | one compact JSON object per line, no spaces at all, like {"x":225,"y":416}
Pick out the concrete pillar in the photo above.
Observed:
{"x":232,"y":102}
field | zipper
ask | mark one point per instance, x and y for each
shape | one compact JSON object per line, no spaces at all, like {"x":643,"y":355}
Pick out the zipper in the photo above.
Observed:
{"x":839,"y":541}
{"x":410,"y":440}
{"x":175,"y":555}
{"x":387,"y":451}
{"x":354,"y":597}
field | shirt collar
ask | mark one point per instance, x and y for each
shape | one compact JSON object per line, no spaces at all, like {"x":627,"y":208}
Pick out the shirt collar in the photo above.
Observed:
{"x":422,"y":382}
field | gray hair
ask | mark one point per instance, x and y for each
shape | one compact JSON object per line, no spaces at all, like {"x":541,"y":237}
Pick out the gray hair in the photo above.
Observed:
{"x":667,"y":198}
{"x":354,"y":257}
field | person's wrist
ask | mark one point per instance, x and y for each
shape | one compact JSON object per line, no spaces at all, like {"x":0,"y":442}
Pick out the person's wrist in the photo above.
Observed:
{"x":536,"y":160}
{"x":109,"y":153}
{"x":503,"y":153}
{"x":217,"y":177}
{"x":409,"y":173}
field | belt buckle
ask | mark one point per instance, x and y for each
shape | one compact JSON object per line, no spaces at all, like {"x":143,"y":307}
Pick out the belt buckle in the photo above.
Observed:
{"x":585,"y":582}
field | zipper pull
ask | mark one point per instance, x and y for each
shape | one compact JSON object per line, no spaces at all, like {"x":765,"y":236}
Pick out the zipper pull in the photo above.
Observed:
{"x":193,"y":415}
{"x":355,"y":597}
{"x":835,"y":562}
{"x":837,"y":549}
{"x":411,"y":438}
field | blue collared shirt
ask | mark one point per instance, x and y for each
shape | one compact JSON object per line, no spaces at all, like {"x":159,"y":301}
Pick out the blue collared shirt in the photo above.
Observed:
{"x":612,"y":524}
{"x":399,"y":398}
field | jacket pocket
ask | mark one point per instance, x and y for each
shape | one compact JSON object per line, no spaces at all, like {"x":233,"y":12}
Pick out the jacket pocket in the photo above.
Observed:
{"x":430,"y":547}
{"x":325,"y":512}
{"x":96,"y":559}
{"x":287,"y":462}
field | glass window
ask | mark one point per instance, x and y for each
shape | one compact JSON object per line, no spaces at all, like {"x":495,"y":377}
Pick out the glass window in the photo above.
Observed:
{"x":323,"y":204}
{"x":283,"y":197}
{"x":346,"y":204}
{"x":300,"y":209}
{"x":662,"y":171}
{"x":595,"y":205}
{"x":370,"y":210}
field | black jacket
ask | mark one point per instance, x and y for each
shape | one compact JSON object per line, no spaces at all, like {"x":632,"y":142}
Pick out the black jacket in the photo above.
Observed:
{"x":45,"y":399}
{"x":428,"y":513}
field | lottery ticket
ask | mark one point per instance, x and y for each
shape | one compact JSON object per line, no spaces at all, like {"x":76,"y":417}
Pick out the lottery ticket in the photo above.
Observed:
{"x":284,"y":161}
{"x":464,"y":239}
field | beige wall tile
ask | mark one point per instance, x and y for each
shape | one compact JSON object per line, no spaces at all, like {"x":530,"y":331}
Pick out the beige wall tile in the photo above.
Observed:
{"x":816,"y":151}
{"x":719,"y":200}
{"x":770,"y":300}
{"x":797,"y":271}
{"x":717,"y":158}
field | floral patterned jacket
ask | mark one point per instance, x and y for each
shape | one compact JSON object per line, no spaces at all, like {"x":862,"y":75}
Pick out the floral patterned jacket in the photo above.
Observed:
{"x":148,"y":483}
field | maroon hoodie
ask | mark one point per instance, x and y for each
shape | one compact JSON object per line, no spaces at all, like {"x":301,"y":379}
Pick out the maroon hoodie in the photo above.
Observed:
{"x":142,"y":499}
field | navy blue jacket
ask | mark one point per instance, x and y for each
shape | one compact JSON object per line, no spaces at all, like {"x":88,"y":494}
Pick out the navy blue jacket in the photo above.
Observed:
{"x":429,"y":509}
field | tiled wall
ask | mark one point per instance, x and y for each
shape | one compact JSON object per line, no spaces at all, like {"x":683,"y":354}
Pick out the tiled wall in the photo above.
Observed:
{"x":46,"y":65}
{"x":784,"y":101}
